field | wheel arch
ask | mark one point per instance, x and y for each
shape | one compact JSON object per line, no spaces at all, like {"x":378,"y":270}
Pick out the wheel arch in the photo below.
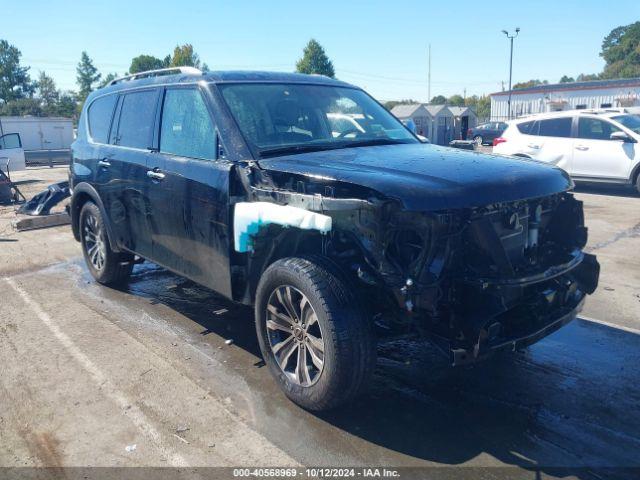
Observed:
{"x":83,"y":193}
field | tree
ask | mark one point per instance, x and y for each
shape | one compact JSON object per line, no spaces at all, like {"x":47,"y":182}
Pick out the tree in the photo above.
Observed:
{"x":142,"y":63}
{"x":455,"y":101}
{"x":566,"y":79}
{"x":47,"y":91}
{"x":438,"y":100}
{"x":87,"y":75}
{"x":67,"y":105}
{"x":315,"y":60}
{"x":621,"y":52}
{"x":481,"y":105}
{"x":22,"y":106}
{"x":107,"y":79}
{"x":585,"y":77}
{"x":184,"y":56}
{"x":530,"y":83}
{"x":15,"y":82}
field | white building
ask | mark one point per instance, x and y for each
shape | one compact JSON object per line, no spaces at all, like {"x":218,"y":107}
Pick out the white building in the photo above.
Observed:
{"x":40,"y":133}
{"x":566,"y":96}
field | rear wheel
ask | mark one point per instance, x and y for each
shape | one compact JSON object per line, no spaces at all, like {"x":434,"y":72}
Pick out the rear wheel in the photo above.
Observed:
{"x":313,"y":336}
{"x":105,"y":265}
{"x":477,"y":140}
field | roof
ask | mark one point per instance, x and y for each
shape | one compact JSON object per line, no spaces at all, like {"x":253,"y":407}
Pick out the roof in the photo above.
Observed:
{"x":590,"y":85}
{"x":604,"y":112}
{"x":225,"y":77}
{"x":435,"y":109}
{"x":403,"y":111}
{"x":459,"y":111}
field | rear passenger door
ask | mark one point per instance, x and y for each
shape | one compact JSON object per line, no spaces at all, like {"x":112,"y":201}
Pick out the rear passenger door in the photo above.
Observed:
{"x":550,"y":141}
{"x":124,"y":186}
{"x":190,"y":187}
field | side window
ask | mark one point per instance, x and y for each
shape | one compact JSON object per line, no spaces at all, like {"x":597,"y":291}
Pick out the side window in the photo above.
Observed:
{"x":100,"y":114}
{"x":186,"y":128}
{"x":555,"y":127}
{"x":10,"y":140}
{"x":525,"y":127}
{"x":595,"y":129}
{"x":137,"y":116}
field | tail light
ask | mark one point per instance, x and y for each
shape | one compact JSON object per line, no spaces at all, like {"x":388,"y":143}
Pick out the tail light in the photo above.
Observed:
{"x":498,"y":140}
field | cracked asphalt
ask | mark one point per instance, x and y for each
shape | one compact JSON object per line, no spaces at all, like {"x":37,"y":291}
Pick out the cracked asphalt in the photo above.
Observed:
{"x":143,"y":376}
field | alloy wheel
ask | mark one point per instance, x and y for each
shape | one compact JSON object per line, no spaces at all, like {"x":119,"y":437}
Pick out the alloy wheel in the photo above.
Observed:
{"x":94,"y":242}
{"x":295,"y":336}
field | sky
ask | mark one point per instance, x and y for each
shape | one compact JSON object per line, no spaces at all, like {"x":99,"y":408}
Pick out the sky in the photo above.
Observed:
{"x":381,"y":46}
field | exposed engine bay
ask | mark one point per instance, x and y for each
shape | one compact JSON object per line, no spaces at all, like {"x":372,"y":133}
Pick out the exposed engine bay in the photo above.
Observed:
{"x":474,"y":280}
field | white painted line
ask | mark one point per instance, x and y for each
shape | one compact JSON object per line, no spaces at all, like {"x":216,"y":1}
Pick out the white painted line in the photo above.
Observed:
{"x":611,"y":325}
{"x":134,"y":413}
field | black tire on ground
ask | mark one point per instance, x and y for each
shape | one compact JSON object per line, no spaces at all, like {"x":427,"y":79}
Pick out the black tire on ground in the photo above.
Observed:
{"x":477,"y":140}
{"x":638,"y":183}
{"x":348,"y":347}
{"x":105,"y":265}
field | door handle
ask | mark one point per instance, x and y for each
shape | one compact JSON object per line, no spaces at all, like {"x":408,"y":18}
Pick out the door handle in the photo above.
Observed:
{"x":534,"y":146}
{"x":155,"y":175}
{"x":581,"y":147}
{"x":104,"y":163}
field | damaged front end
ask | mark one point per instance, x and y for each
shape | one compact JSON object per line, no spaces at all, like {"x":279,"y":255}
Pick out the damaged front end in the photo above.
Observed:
{"x":475,"y":280}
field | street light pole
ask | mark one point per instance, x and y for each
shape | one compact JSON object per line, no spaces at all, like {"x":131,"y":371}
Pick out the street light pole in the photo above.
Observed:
{"x":510,"y":37}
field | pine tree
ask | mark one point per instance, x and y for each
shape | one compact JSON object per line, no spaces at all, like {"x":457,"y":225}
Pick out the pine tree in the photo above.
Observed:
{"x":315,"y":60}
{"x":87,"y":75}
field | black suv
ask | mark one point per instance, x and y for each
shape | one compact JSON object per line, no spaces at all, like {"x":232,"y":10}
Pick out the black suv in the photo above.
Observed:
{"x":303,"y":196}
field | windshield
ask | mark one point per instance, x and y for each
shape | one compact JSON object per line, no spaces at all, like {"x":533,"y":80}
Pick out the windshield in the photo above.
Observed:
{"x":280,"y":119}
{"x":632,"y":122}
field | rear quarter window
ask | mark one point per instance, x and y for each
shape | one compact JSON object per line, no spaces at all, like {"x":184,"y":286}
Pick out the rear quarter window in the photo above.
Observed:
{"x":100,"y":115}
{"x":526,"y":127}
{"x":137,"y":119}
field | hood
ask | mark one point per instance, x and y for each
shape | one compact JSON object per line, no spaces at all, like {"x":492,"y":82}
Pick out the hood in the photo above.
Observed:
{"x":428,"y":177}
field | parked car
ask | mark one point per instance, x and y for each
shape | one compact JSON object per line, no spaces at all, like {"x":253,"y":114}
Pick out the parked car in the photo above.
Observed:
{"x":485,"y":133}
{"x":591,"y":145}
{"x":11,"y":153}
{"x":239,"y":182}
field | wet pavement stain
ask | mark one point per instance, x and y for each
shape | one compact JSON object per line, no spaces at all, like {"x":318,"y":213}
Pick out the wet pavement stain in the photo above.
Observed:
{"x":570,"y":400}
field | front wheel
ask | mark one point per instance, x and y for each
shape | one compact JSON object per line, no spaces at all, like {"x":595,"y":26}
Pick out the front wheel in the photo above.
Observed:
{"x":477,"y":140}
{"x":312,"y":334}
{"x":638,"y":183}
{"x":106,"y":266}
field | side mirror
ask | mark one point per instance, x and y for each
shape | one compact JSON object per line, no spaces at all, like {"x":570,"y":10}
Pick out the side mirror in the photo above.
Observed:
{"x":621,"y":136}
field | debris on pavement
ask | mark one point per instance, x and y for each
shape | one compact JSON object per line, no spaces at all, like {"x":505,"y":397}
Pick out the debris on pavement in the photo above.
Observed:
{"x":182,"y":429}
{"x":229,"y":341}
{"x":181,"y":439}
{"x":131,"y":448}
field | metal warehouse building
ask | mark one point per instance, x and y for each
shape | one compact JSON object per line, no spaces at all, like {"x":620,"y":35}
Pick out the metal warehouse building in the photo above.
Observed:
{"x":566,"y":96}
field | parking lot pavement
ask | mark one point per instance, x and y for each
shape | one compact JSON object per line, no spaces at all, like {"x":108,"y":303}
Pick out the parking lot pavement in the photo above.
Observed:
{"x":89,"y":371}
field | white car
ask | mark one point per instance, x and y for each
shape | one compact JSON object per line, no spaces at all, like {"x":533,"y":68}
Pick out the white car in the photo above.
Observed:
{"x":591,"y":145}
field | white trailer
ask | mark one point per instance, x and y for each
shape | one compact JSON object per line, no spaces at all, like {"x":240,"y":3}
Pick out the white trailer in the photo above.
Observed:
{"x":40,"y":133}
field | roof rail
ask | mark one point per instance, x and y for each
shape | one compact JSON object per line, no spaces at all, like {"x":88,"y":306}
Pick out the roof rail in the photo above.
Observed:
{"x":157,"y":73}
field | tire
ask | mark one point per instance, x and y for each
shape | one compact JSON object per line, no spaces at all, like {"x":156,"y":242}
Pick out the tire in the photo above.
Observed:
{"x":105,"y":265}
{"x":638,"y":183}
{"x":477,"y":140}
{"x":332,"y":315}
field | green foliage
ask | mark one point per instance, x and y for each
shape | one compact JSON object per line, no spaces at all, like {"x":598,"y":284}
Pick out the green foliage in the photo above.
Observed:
{"x":184,"y":56}
{"x":315,"y":60}
{"x":47,"y":91}
{"x":481,"y":105}
{"x":142,"y":63}
{"x":15,"y":82}
{"x":107,"y":79}
{"x":530,"y":83}
{"x":22,"y":106}
{"x":438,"y":100}
{"x":455,"y":101}
{"x":566,"y":79}
{"x":87,"y":76}
{"x":585,"y":77}
{"x":621,"y":52}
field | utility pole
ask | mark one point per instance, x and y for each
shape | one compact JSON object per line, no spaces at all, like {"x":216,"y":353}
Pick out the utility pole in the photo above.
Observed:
{"x":429,"y":78}
{"x":510,"y":37}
